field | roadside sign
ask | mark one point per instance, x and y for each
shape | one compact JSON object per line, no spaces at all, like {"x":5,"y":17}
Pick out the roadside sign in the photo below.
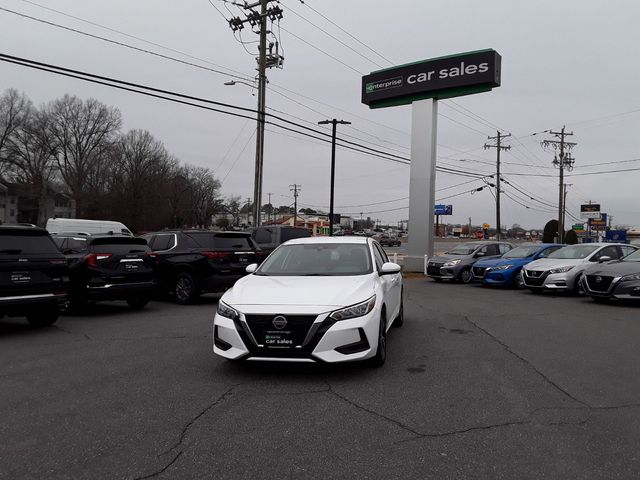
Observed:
{"x":578,"y":227}
{"x":618,"y":236}
{"x":439,"y":78}
{"x":486,"y":226}
{"x":443,"y":210}
{"x":589,"y":210}
{"x":598,"y":223}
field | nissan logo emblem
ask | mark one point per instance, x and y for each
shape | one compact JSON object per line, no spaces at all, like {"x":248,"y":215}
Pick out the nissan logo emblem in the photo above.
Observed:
{"x":279,"y":322}
{"x":598,"y":279}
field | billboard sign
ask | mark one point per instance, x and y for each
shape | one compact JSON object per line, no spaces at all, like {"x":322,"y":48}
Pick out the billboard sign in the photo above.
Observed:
{"x":598,"y":223}
{"x":589,"y":211}
{"x":439,"y":78}
{"x":443,"y":210}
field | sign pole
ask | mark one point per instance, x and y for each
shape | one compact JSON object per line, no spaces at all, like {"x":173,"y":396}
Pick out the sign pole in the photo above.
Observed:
{"x":422,"y":183}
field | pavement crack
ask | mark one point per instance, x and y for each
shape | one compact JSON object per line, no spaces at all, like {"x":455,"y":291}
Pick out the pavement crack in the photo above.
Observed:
{"x":399,"y":424}
{"x":163,"y":469}
{"x":528,"y":363}
{"x":188,"y":425}
{"x":466,"y":430}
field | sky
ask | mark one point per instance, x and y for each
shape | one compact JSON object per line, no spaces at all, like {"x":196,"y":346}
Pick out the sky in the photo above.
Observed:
{"x":564,"y":62}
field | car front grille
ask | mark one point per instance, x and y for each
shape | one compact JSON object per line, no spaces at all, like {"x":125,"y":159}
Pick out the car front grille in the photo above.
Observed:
{"x":534,"y":278}
{"x":265,"y":326}
{"x":433,"y":269}
{"x":599,"y":283}
{"x":480,"y":272}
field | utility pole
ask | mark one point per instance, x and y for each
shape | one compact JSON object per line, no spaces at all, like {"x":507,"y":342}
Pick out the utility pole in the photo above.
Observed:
{"x":469,"y":233}
{"x":265,"y":60}
{"x":498,"y":146}
{"x":334,"y":123}
{"x":564,"y":201}
{"x":269,"y":213}
{"x":295,"y":188}
{"x":248,"y":210}
{"x":562,"y":161}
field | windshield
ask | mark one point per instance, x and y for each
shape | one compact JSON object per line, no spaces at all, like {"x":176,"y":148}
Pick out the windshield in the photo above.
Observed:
{"x":574,"y":252}
{"x":318,"y":259}
{"x":464,"y":249}
{"x":521,"y":252}
{"x":632,"y":257}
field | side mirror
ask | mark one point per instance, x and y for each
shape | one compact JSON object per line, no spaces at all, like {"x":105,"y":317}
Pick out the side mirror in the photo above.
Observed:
{"x":251,"y":268}
{"x":390,"y":268}
{"x":479,"y":254}
{"x":604,"y":259}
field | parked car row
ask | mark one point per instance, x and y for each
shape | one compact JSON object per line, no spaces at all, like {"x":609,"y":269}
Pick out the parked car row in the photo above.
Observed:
{"x":41,"y":274}
{"x":600,"y":270}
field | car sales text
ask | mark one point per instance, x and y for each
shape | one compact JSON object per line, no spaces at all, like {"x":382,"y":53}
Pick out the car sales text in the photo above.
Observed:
{"x":448,"y":72}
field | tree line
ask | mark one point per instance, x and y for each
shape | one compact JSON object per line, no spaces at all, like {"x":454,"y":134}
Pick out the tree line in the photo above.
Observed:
{"x":78,"y":147}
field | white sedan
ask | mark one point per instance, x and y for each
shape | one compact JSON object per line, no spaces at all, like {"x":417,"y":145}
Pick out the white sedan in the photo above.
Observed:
{"x":317,"y":299}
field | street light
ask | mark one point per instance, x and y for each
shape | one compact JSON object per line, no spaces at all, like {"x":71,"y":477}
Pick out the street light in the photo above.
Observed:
{"x":333,"y":122}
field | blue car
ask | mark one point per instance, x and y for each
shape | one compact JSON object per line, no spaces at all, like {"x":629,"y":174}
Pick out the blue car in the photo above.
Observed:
{"x":505,"y":271}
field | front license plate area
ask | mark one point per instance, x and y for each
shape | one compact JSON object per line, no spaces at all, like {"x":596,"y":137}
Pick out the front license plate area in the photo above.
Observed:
{"x":279,"y":339}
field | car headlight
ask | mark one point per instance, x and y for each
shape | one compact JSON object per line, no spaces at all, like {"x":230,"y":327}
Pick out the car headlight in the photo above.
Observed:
{"x":501,"y":267}
{"x":452,"y":263}
{"x":354,"y":311}
{"x":560,"y":270}
{"x":629,"y":278}
{"x":225,"y":310}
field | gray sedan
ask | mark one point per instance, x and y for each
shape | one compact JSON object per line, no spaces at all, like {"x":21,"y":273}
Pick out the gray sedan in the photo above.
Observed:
{"x":456,"y":263}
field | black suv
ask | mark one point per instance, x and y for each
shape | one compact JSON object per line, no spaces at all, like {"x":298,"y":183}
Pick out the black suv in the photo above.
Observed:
{"x":33,"y":275}
{"x":269,"y":237}
{"x":109,"y":267}
{"x":192,"y":262}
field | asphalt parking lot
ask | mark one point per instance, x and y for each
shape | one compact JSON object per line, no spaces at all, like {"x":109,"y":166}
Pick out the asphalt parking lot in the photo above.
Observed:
{"x":479,"y":383}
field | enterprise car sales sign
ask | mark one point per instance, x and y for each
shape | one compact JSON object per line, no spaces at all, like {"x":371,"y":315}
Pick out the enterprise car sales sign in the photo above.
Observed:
{"x":443,"y":77}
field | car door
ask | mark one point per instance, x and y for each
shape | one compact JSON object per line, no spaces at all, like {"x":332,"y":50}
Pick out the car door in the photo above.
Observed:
{"x":391,"y":284}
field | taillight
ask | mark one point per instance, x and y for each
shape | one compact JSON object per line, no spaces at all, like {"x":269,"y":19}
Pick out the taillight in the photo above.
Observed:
{"x":93,"y":258}
{"x":154,"y":256}
{"x":215,"y":255}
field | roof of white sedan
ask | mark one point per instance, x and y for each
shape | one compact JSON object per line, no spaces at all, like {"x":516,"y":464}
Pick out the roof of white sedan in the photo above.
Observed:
{"x":312,"y":240}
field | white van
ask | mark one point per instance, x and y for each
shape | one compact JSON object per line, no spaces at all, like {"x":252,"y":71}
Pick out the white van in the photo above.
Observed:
{"x":82,"y":226}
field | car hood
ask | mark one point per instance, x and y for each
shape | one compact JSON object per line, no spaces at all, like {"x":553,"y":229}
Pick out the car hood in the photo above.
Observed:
{"x":329,"y":291}
{"x":445,"y":258}
{"x":497,"y":262}
{"x":614,"y":269}
{"x":548,"y":263}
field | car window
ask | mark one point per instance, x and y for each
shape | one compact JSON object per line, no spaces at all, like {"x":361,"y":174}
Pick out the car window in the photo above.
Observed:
{"x":263,"y":235}
{"x":378,"y":257}
{"x":381,"y":251}
{"x":75,"y":245}
{"x":27,"y":244}
{"x":317,"y":259}
{"x":150,"y":240}
{"x":574,"y":252}
{"x":291,"y":233}
{"x":626,"y":250}
{"x":504,"y":248}
{"x":119,"y":245}
{"x":548,"y":251}
{"x":490,"y":250}
{"x":59,"y":241}
{"x":229,"y":242}
{"x":611,"y":252}
{"x":163,"y":242}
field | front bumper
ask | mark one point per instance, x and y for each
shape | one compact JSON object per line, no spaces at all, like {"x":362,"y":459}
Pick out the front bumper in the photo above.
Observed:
{"x":501,"y":277}
{"x":549,"y":281}
{"x":325,"y":340}
{"x":629,"y":290}
{"x":438,"y":270}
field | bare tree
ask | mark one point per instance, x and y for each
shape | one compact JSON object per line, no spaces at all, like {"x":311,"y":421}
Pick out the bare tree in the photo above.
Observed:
{"x":84,"y":132}
{"x":31,"y":154}
{"x":15,"y":108}
{"x":204,"y":194}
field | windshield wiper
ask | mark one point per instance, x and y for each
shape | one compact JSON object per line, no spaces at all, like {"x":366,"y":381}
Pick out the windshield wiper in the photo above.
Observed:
{"x":11,"y":251}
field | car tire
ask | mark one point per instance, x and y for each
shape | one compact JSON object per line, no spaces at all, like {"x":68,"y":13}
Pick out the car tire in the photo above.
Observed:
{"x":381,"y":350}
{"x":43,"y":319}
{"x":185,"y":289}
{"x":466,"y":276}
{"x":137,"y":303}
{"x":399,"y":321}
{"x":518,"y":282}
